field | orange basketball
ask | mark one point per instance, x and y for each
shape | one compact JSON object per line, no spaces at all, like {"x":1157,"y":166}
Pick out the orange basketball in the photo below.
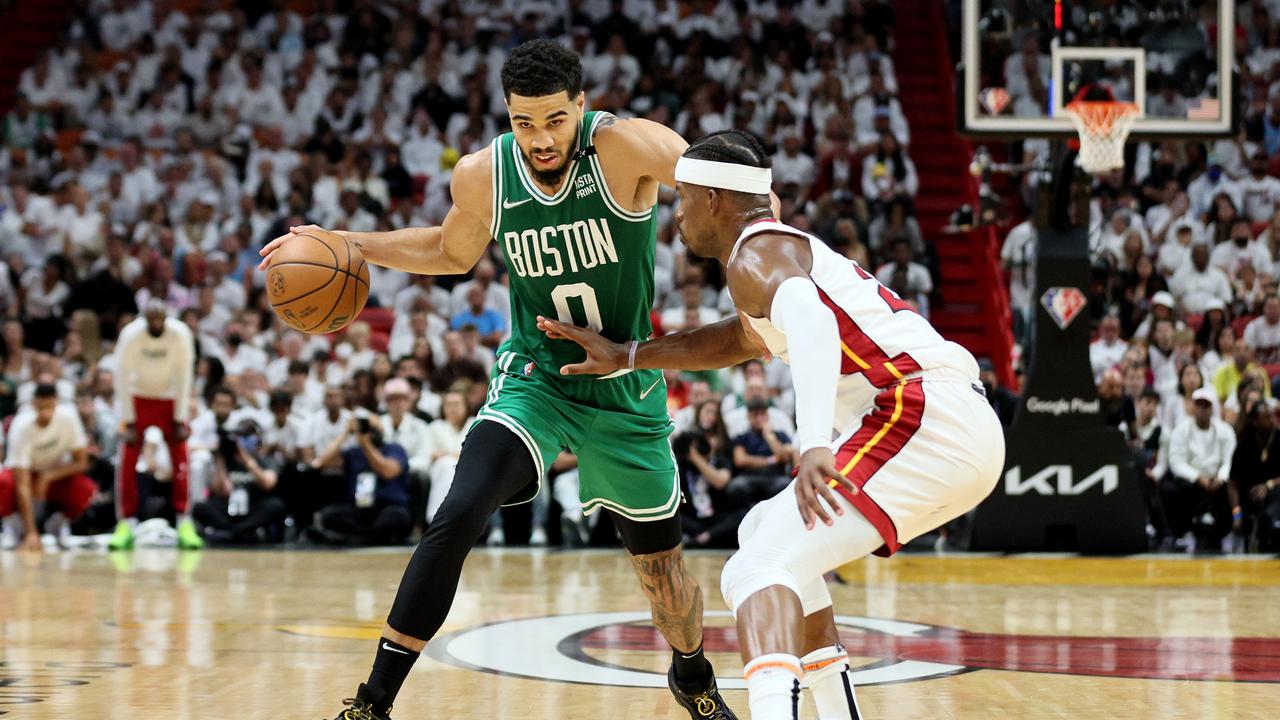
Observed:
{"x":318,"y":282}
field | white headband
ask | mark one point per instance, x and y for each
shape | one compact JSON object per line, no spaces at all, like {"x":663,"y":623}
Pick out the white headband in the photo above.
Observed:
{"x":726,"y":176}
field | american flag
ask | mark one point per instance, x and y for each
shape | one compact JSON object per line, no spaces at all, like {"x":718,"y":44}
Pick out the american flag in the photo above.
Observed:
{"x":1204,"y":109}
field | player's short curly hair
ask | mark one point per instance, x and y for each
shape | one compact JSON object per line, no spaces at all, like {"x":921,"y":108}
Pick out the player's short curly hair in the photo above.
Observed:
{"x":730,"y":146}
{"x":541,"y":67}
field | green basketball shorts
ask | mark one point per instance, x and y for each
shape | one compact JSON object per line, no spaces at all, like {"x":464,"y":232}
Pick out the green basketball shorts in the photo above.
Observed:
{"x":618,"y":428}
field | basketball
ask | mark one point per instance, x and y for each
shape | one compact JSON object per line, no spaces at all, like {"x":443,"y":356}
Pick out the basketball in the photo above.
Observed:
{"x":318,"y":282}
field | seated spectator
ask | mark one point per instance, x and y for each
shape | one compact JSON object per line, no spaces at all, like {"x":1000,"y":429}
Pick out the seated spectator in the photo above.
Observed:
{"x":323,"y":438}
{"x":897,"y":222}
{"x":1229,"y":374}
{"x":710,"y":518}
{"x":1197,"y":283}
{"x":692,"y":311}
{"x":375,"y":510}
{"x":1262,"y":334}
{"x":43,"y":478}
{"x":734,"y":408}
{"x":1241,"y":249}
{"x":241,"y":507}
{"x":888,"y":173}
{"x":413,"y":434}
{"x":1177,"y":407}
{"x":1176,"y":253}
{"x":1108,"y":350}
{"x":916,"y":285}
{"x":1213,"y":182}
{"x":1116,"y":407}
{"x":447,"y":435}
{"x":762,"y":458}
{"x":1255,"y":486}
{"x":1144,"y":436}
{"x":488,"y":322}
{"x":1261,"y":192}
{"x":1219,"y":349}
{"x":1002,"y":399}
{"x":1195,"y":493}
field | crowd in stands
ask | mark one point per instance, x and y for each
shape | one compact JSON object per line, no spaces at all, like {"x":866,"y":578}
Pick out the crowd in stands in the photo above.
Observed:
{"x":155,"y":148}
{"x":1185,"y":248}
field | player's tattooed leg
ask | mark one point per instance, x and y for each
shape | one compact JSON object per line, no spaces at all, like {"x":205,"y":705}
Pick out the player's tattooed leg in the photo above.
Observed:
{"x":674,"y":595}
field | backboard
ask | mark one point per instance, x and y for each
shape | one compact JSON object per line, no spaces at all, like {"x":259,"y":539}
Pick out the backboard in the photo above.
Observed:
{"x":1024,"y":60}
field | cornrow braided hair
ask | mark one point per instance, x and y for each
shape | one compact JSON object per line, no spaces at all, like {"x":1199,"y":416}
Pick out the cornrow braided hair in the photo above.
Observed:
{"x":730,"y":146}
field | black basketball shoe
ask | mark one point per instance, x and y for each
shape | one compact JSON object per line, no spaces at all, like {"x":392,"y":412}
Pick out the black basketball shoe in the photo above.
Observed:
{"x":365,"y":706}
{"x":703,"y":703}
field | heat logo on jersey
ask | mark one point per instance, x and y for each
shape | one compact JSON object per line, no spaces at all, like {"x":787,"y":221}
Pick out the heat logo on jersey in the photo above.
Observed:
{"x":1063,"y":304}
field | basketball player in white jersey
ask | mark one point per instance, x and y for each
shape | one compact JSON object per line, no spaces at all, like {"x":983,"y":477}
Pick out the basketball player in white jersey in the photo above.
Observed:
{"x":894,"y":434}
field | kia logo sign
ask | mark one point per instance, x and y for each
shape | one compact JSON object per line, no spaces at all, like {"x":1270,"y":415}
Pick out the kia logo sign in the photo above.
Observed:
{"x":1060,"y":480}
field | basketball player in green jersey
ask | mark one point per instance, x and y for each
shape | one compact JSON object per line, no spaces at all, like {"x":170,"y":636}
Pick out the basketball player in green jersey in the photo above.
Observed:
{"x":569,"y":196}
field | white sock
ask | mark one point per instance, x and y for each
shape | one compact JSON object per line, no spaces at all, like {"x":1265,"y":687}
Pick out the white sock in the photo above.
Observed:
{"x":773,"y":686}
{"x":826,"y":671}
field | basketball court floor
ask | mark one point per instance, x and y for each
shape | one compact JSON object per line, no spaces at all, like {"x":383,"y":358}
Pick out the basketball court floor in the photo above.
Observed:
{"x":537,"y":634}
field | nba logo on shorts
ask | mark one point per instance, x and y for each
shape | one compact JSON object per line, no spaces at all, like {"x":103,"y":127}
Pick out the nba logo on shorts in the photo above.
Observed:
{"x":528,"y":368}
{"x":1063,"y":304}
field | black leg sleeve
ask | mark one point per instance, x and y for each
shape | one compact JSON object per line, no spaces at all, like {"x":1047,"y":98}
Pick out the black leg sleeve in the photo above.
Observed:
{"x":646,"y":538}
{"x":494,"y":466}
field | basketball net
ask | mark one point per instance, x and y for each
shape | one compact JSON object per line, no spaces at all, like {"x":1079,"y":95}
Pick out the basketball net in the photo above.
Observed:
{"x":1103,"y":127}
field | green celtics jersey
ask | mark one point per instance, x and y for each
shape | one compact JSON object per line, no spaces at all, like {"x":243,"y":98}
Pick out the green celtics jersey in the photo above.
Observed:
{"x":577,"y":256}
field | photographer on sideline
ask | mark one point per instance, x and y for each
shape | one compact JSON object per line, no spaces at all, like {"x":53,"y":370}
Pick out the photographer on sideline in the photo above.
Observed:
{"x":376,"y":510}
{"x":241,"y":508}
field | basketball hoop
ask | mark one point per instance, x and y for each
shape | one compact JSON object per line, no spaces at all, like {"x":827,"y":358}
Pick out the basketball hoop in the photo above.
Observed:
{"x":1103,"y":127}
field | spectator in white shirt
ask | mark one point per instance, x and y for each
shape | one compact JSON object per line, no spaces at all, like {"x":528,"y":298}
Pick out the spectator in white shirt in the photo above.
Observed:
{"x":903,"y":275}
{"x":1211,"y":182}
{"x":1262,"y":334}
{"x":82,"y":226}
{"x":45,"y":465}
{"x":351,"y":216}
{"x":1239,"y":250}
{"x":402,"y":427}
{"x":1108,"y":350}
{"x":1198,"y":281}
{"x":45,"y":292}
{"x":322,"y":428}
{"x":1261,"y":191}
{"x":447,"y":434}
{"x":613,"y":67}
{"x":1176,"y":252}
{"x":1200,"y":465}
{"x":793,"y":167}
{"x":888,"y":172}
{"x":240,"y":355}
{"x":691,"y":313}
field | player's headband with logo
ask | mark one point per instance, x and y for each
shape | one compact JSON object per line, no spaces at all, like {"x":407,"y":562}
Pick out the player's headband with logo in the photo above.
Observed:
{"x":726,"y":176}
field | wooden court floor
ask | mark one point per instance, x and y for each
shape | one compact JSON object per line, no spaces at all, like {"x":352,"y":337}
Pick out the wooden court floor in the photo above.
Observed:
{"x":534,"y":634}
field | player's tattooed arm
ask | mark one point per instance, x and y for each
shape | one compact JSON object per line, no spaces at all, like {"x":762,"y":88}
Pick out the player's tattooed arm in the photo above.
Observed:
{"x":674,"y":597}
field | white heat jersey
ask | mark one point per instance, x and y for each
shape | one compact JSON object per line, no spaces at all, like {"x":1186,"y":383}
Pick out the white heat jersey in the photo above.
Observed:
{"x":882,"y":339}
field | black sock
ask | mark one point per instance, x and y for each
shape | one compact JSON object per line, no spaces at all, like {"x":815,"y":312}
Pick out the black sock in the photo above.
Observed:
{"x":390,"y":667}
{"x":691,"y":668}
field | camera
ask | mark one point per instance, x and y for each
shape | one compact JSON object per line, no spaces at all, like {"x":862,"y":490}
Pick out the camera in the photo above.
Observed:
{"x":362,"y":425}
{"x":690,"y":440}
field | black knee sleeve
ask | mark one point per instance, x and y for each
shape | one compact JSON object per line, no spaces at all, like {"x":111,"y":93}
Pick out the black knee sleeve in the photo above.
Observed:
{"x":644,"y":538}
{"x":494,"y":465}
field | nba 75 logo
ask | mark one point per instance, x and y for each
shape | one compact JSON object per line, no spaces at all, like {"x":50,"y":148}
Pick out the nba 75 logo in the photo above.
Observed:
{"x":1063,"y":304}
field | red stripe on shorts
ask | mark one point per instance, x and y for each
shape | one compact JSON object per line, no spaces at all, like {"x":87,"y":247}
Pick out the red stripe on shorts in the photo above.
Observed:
{"x":885,"y":431}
